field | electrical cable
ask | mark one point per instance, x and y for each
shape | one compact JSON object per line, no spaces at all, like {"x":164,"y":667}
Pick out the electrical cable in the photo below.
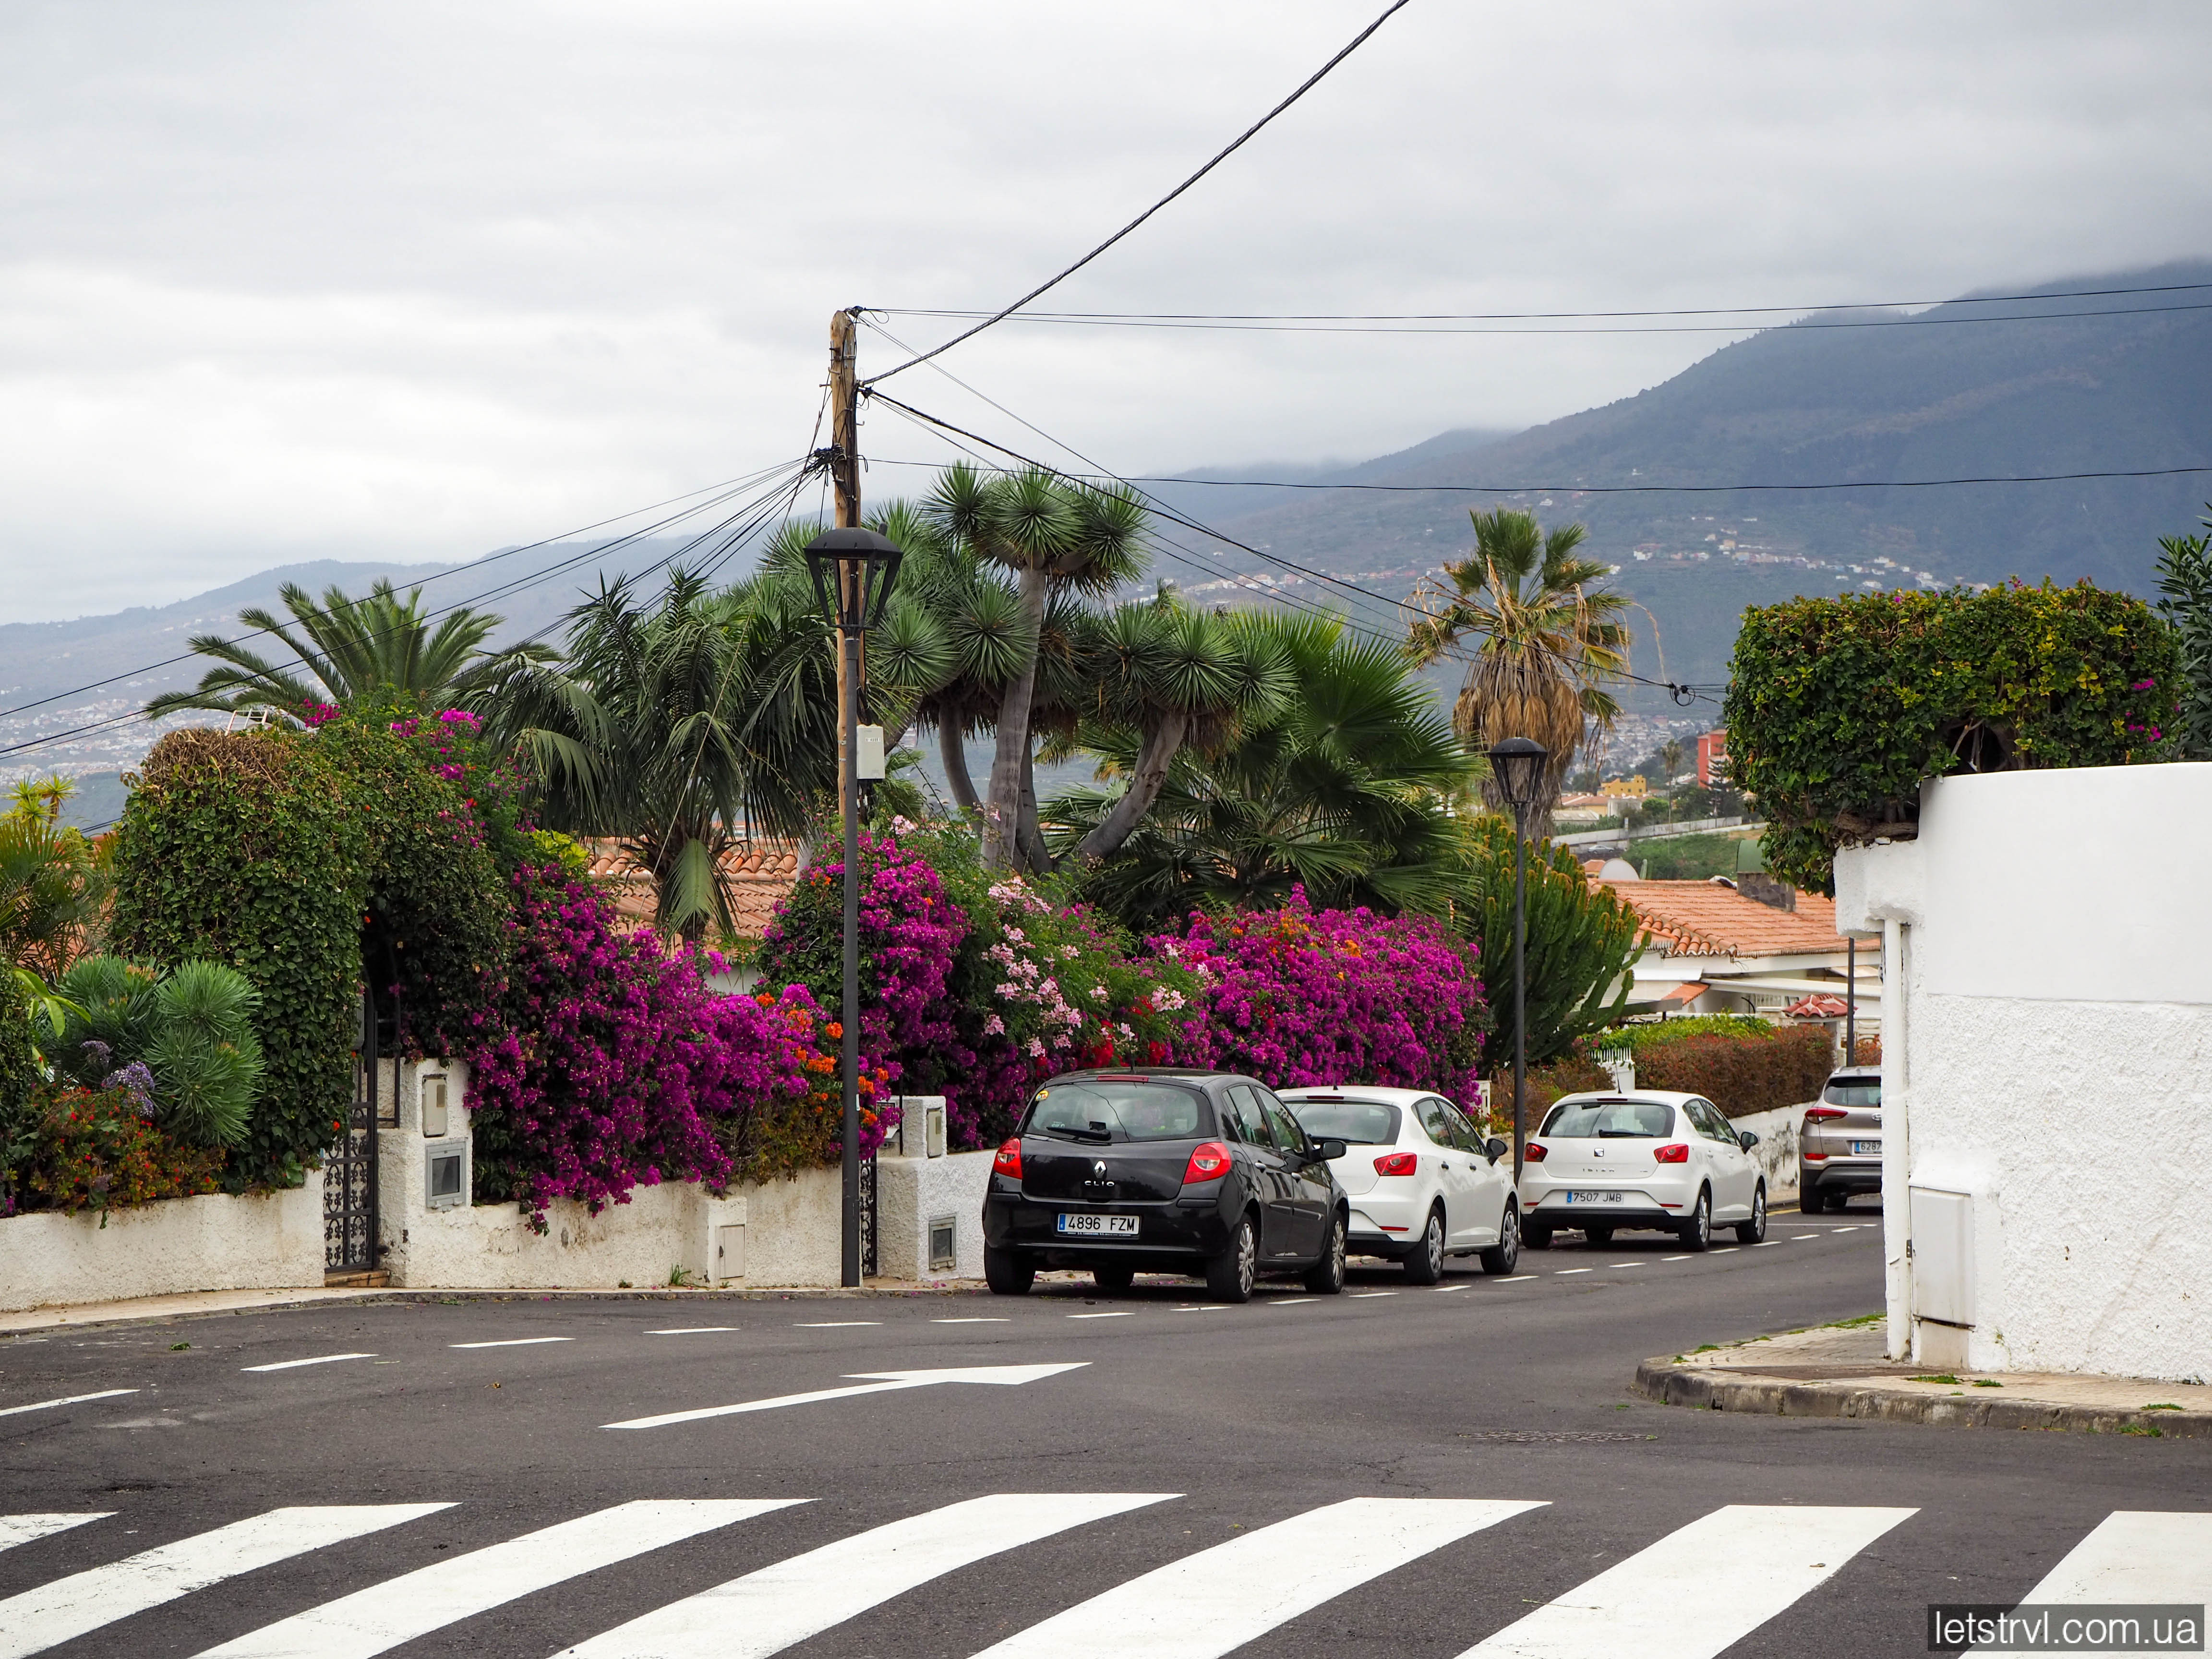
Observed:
{"x":1235,"y":144}
{"x":1635,"y":328}
{"x":1541,"y":316}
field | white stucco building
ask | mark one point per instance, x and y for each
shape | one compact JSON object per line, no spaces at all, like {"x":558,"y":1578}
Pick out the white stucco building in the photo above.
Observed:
{"x":2047,"y":1076}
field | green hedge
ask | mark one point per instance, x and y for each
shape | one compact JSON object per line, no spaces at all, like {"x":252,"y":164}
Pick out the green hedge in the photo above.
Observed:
{"x":1741,"y":1073}
{"x":1837,"y":707}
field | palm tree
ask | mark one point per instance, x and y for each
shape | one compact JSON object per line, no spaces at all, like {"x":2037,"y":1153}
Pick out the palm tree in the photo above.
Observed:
{"x":1057,"y":539}
{"x":1548,"y":641}
{"x":685,"y":727}
{"x":1348,"y":789}
{"x":350,"y":650}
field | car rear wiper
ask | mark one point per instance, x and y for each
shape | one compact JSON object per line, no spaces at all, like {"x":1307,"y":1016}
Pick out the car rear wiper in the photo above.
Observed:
{"x":1625,"y":1134}
{"x":1097,"y":1136}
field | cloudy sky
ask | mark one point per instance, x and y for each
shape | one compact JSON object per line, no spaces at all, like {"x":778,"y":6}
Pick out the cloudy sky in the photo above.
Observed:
{"x":409,"y":280}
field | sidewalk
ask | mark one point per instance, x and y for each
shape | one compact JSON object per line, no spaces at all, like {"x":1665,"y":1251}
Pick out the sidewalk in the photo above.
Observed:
{"x":1841,"y":1371}
{"x":200,"y":1304}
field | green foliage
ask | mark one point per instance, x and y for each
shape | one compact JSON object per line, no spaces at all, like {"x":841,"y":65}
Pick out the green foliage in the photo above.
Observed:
{"x":1838,"y":708}
{"x":2184,"y":577}
{"x":19,"y":1083}
{"x":1581,"y":941}
{"x":1741,"y":1064}
{"x":111,"y":1004}
{"x":1685,"y":857}
{"x":1642,"y":1035}
{"x":206,"y":1061}
{"x":52,"y":881}
{"x":97,"y":1150}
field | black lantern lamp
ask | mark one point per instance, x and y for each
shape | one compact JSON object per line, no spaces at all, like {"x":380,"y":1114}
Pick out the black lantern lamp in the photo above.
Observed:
{"x":865,"y":567}
{"x":1517,"y":763}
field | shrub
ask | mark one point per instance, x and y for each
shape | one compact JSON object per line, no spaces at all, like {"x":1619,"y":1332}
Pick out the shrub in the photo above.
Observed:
{"x":1741,"y":1072}
{"x":1837,"y":707}
{"x":1570,"y":1074}
{"x":608,"y":1065}
{"x":1297,"y":997}
{"x":100,"y":1150}
{"x":190,"y":1030}
{"x":19,"y":1084}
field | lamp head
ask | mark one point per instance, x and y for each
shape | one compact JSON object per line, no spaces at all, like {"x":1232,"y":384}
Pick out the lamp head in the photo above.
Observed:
{"x":1517,"y":763}
{"x":854,"y":572}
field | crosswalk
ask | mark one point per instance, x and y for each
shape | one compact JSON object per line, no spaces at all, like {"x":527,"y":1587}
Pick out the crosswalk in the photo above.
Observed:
{"x":1691,"y":1593}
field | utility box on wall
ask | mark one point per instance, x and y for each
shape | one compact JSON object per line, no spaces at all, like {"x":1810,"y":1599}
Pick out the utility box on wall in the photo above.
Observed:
{"x":445,"y":1175}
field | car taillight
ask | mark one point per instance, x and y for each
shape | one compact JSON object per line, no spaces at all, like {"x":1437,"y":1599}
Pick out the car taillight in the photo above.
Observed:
{"x":1823,"y":1114}
{"x":1533,"y":1152}
{"x":1677,"y":1153}
{"x":1397,"y":1163}
{"x":1008,"y":1161}
{"x":1209,"y":1161}
{"x":1816,"y":1158}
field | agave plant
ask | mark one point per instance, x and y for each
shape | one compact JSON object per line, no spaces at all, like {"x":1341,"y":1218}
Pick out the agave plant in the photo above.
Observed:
{"x":191,"y":1029}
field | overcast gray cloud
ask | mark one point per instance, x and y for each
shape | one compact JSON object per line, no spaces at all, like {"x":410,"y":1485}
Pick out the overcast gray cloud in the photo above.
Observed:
{"x":287,"y":280}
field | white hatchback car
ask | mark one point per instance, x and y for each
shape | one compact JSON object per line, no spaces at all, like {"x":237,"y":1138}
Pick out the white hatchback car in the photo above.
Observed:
{"x":1645,"y":1158}
{"x":1423,"y":1181}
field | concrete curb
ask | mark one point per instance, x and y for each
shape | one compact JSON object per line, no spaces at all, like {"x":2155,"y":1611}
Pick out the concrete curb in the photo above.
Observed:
{"x":1674,"y":1384}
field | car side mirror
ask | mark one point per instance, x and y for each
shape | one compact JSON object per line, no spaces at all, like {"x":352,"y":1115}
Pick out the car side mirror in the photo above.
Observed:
{"x":1493,"y":1149}
{"x":1328,"y":1151}
{"x":1746,"y":1140}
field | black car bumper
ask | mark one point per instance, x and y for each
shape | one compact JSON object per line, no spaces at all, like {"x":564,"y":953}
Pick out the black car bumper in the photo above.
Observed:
{"x":1557,"y":1216}
{"x":1840,"y":1177}
{"x":1173,"y":1235}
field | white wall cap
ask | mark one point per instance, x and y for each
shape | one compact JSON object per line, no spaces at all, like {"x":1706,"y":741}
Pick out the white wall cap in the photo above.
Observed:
{"x":1874,"y":884}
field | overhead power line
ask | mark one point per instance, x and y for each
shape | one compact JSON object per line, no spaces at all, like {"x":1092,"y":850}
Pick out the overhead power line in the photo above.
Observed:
{"x":1632,"y":328}
{"x":1233,"y":146}
{"x":1543,"y":316}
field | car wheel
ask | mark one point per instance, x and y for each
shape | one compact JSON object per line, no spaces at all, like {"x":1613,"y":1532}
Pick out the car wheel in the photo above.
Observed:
{"x":1598,"y":1234}
{"x":1536,"y":1237}
{"x":1425,"y":1266}
{"x":1505,"y":1255}
{"x":1229,"y":1276}
{"x":1325,"y":1276}
{"x":1007,"y":1272}
{"x":1754,"y":1231}
{"x":1114,"y":1279}
{"x":1697,"y":1232}
{"x":1811,"y":1201}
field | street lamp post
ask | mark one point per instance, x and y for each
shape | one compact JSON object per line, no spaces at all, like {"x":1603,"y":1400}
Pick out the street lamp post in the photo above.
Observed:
{"x":1517,"y":763}
{"x":854,"y":571}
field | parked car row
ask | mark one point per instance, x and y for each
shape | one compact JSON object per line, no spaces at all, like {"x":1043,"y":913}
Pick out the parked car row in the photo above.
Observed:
{"x":1215,"y":1175}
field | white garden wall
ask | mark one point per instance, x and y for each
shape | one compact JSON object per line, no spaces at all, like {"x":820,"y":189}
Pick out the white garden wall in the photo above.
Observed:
{"x":177,"y":1245}
{"x":2047,"y":1082}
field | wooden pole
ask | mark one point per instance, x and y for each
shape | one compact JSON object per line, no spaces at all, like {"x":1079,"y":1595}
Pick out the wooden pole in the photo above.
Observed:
{"x":844,"y":477}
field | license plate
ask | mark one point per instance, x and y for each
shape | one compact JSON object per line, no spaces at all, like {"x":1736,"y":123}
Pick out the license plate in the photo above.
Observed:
{"x":1595,"y":1197}
{"x":1865,"y":1148}
{"x":1106,"y":1226}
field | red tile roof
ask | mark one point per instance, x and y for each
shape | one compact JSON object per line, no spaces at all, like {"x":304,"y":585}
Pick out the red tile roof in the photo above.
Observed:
{"x":761,"y":874}
{"x":1708,"y":919}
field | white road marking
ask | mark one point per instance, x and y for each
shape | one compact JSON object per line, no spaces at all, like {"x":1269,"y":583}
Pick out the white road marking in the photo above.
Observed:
{"x":66,"y":1400}
{"x":1518,"y":1278}
{"x":1219,"y":1599}
{"x":1767,"y":1244}
{"x":24,"y":1529}
{"x":1103,"y":1316}
{"x":1611,"y":1264}
{"x":1794,"y":1238}
{"x":1660,"y":1602}
{"x":693,"y":1330}
{"x":513,"y":1342}
{"x":1673,"y":1258}
{"x":1362,"y":1296}
{"x":293,"y":1364}
{"x":777,"y":1606}
{"x":416,"y":1603}
{"x":68,"y":1608}
{"x":869,"y":1382}
{"x":1203,"y":1307}
{"x":836,"y":1324}
{"x":1442,"y":1288}
{"x":2135,"y":1555}
{"x":979,"y":1319}
{"x":1292,"y":1301}
{"x":1563,"y":1272}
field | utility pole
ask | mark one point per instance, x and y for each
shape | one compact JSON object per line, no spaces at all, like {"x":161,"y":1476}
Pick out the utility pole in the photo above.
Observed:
{"x":844,"y":459}
{"x":845,"y":477}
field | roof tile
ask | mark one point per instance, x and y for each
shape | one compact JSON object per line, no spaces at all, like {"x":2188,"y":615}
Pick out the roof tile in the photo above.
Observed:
{"x":1709,"y":919}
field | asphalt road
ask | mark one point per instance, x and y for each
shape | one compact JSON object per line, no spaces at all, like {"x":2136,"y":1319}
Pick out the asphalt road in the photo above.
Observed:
{"x":1488,"y":1462}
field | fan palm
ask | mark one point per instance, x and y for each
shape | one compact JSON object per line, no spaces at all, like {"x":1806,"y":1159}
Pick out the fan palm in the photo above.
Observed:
{"x":1348,"y":790}
{"x":351,"y":650}
{"x":1549,"y":642}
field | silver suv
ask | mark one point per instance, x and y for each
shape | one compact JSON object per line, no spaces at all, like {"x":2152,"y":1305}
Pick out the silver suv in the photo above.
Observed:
{"x":1839,"y":1142}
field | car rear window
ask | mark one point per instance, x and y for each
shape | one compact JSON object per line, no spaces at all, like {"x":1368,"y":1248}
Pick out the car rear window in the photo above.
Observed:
{"x":1362,"y":1123}
{"x":1853,"y":1091}
{"x":1605,"y":1120}
{"x":1135,"y":1109}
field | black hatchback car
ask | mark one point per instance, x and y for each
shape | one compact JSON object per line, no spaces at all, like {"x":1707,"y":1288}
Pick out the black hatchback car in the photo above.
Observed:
{"x":1155,"y":1170}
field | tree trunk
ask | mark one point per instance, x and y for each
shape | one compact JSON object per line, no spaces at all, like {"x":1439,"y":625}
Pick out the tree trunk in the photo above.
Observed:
{"x":1037,"y":857}
{"x":1162,"y":743}
{"x":1002,"y":813}
{"x":952,"y":750}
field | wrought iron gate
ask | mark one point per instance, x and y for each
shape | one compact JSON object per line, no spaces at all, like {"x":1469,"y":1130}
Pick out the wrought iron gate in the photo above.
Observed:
{"x":349,"y":1168}
{"x":868,"y":1218}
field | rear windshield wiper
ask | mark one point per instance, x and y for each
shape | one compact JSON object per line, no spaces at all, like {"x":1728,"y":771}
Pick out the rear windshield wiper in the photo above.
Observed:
{"x":1626,"y":1134}
{"x":1098,"y":1136}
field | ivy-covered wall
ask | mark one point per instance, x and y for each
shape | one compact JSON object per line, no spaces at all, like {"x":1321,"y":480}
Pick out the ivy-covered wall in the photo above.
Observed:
{"x":1837,"y":707}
